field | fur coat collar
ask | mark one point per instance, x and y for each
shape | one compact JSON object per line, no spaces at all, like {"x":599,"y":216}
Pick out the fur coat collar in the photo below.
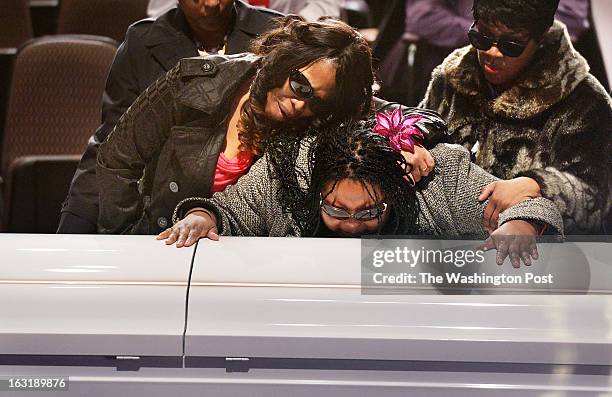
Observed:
{"x":554,"y":72}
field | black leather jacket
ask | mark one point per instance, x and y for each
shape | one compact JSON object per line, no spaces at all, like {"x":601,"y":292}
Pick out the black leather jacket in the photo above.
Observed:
{"x":165,"y":147}
{"x":151,"y":48}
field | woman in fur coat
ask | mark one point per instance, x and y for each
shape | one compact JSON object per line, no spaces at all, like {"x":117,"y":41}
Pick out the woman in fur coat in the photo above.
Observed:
{"x":521,"y":99}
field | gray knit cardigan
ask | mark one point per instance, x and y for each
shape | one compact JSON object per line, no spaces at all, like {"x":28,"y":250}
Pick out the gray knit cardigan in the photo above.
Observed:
{"x":448,"y":201}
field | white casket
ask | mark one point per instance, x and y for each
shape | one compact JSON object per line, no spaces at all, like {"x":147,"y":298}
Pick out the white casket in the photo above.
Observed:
{"x":121,"y":315}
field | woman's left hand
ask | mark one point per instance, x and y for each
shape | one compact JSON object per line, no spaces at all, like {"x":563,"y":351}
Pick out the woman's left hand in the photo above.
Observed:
{"x":503,"y":195}
{"x":421,"y":161}
{"x":515,"y":239}
{"x":198,"y":223}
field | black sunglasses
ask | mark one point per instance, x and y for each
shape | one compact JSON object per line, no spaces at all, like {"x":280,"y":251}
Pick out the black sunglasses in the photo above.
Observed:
{"x":302,"y":88}
{"x":484,"y":43}
{"x":364,"y":215}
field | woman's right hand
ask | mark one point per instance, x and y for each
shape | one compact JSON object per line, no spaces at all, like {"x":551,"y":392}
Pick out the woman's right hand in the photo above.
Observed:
{"x":198,"y":223}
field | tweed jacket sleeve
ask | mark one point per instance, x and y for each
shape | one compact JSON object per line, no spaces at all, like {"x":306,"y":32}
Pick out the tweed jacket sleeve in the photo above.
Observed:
{"x":450,"y":198}
{"x":248,"y":208}
{"x":137,"y":137}
{"x":448,"y":202}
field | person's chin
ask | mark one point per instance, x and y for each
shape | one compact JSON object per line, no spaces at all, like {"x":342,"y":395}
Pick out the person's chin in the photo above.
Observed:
{"x":349,"y":235}
{"x":209,"y":23}
{"x":277,"y":119}
{"x":274,"y":114}
{"x":497,"y":79}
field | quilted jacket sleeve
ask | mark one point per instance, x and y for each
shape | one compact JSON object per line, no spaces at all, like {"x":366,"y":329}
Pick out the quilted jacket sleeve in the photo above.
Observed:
{"x":137,"y":137}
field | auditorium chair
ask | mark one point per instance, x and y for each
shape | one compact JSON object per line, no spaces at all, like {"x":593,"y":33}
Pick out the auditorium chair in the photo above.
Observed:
{"x":15,"y":29}
{"x":109,"y":18}
{"x":54,"y":106}
{"x":15,"y":23}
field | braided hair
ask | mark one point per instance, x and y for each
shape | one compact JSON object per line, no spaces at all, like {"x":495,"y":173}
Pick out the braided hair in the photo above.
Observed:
{"x":348,"y":151}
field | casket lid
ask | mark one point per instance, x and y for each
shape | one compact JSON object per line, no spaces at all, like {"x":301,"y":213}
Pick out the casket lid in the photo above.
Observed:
{"x":301,"y":298}
{"x":92,"y":295}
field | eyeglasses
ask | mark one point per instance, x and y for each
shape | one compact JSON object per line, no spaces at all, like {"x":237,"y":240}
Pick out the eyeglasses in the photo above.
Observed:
{"x":302,"y":88}
{"x":484,"y":43}
{"x":364,"y":215}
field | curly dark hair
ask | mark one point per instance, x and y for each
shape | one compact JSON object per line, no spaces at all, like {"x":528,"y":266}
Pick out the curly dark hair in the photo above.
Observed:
{"x":295,"y":44}
{"x":351,"y":150}
{"x":533,"y":16}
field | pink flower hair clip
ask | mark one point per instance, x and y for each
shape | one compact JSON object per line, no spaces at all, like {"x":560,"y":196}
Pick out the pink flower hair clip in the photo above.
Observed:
{"x":402,"y":131}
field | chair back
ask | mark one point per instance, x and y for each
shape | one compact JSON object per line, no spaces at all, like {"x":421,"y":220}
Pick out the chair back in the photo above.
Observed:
{"x":54,"y":100}
{"x":15,"y":23}
{"x":109,"y":18}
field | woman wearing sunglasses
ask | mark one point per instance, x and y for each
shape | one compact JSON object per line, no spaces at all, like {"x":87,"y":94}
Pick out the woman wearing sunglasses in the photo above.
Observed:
{"x":523,"y":101}
{"x":199,"y":127}
{"x":351,"y":181}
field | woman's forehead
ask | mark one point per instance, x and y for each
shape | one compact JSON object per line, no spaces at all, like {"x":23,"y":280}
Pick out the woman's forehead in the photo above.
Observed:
{"x":498,"y":29}
{"x":321,"y":75}
{"x":350,"y":189}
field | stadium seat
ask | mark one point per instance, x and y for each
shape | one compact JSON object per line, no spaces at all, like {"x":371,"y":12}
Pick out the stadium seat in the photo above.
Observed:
{"x":15,"y":23}
{"x":109,"y":18}
{"x":38,"y":188}
{"x":54,"y":105}
{"x":15,"y":29}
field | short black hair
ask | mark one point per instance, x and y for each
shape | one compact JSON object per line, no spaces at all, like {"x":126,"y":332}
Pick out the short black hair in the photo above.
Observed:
{"x":533,"y":16}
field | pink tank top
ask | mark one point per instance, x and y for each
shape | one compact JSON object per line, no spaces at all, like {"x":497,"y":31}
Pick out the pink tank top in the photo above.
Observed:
{"x":229,"y":170}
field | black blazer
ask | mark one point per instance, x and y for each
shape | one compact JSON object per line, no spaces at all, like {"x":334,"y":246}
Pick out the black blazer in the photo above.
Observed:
{"x":150,"y":49}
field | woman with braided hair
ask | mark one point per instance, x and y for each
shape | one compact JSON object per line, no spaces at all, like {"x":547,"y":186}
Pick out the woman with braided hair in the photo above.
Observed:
{"x":352,"y":180}
{"x":338,"y":163}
